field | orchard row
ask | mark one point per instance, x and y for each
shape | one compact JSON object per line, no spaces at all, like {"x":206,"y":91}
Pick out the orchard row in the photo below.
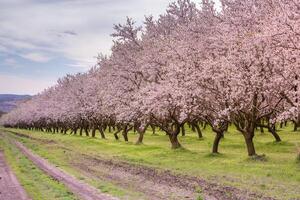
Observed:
{"x":235,"y":64}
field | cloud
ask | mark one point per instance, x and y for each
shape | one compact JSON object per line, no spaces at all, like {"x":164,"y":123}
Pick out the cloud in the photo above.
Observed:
{"x":3,"y":49}
{"x":47,"y":25}
{"x":32,"y":26}
{"x":10,"y":84}
{"x":36,"y":57}
{"x":70,"y":33}
{"x":11,"y":63}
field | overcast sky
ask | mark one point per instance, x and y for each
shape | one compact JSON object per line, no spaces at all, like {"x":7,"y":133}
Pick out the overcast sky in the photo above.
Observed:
{"x":42,"y":40}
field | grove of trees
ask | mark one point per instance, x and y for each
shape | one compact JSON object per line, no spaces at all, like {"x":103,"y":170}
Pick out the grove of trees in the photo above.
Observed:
{"x":196,"y":64}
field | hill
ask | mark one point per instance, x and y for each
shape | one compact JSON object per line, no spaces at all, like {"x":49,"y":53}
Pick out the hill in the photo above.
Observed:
{"x":10,"y":101}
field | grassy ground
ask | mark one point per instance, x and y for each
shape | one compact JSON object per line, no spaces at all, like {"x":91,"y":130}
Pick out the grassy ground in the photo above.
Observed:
{"x":38,"y":185}
{"x":278,"y":176}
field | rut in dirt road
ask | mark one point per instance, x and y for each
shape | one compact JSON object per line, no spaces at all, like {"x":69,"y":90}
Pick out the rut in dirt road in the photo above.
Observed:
{"x":79,"y":188}
{"x":159,"y":184}
{"x":10,"y":188}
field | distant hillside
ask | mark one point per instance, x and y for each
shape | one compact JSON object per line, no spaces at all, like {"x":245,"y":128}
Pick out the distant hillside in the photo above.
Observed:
{"x":10,"y":101}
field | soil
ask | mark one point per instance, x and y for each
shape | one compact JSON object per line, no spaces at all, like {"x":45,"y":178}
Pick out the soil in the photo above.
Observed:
{"x":10,"y":188}
{"x":158,"y":184}
{"x":79,"y":188}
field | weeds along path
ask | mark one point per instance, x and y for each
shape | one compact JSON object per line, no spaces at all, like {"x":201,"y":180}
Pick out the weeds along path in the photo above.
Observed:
{"x":10,"y":188}
{"x":78,"y":187}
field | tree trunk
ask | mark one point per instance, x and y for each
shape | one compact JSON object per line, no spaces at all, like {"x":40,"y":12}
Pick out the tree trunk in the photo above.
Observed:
{"x":86,"y":132}
{"x":295,"y":126}
{"x":204,"y":127}
{"x":193,"y":128}
{"x":276,"y":136}
{"x":198,"y":130}
{"x":125,"y":134}
{"x":218,"y":137}
{"x":174,"y":141}
{"x":94,"y":132}
{"x":250,"y":146}
{"x":116,"y":134}
{"x":183,"y":130}
{"x":101,"y":132}
{"x":273,"y":132}
{"x":153,"y":129}
{"x":80,"y":132}
{"x":140,"y":138}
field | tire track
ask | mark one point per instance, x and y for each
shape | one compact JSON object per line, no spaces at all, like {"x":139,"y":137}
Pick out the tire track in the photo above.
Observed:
{"x":76,"y":186}
{"x":10,"y":188}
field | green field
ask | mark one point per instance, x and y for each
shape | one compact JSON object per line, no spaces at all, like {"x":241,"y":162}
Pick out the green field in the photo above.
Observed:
{"x":277,"y":176}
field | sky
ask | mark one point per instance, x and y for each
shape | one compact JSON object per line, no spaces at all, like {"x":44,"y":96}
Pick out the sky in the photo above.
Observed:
{"x":43,"y":40}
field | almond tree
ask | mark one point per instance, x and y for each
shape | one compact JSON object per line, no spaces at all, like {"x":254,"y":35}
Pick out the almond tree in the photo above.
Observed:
{"x":255,"y":69}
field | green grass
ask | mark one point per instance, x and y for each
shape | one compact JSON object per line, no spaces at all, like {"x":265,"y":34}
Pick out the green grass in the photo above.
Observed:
{"x":278,"y":175}
{"x":38,"y":185}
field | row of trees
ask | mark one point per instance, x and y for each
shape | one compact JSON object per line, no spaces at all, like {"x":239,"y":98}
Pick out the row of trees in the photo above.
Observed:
{"x":237,"y":65}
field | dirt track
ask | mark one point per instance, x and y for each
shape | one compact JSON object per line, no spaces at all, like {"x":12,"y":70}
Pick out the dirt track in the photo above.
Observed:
{"x":79,"y":188}
{"x":159,"y":184}
{"x":10,"y":188}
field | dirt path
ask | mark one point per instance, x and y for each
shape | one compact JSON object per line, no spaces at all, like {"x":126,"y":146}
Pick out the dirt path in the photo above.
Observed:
{"x":78,"y":187}
{"x":158,"y":184}
{"x":10,"y":188}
